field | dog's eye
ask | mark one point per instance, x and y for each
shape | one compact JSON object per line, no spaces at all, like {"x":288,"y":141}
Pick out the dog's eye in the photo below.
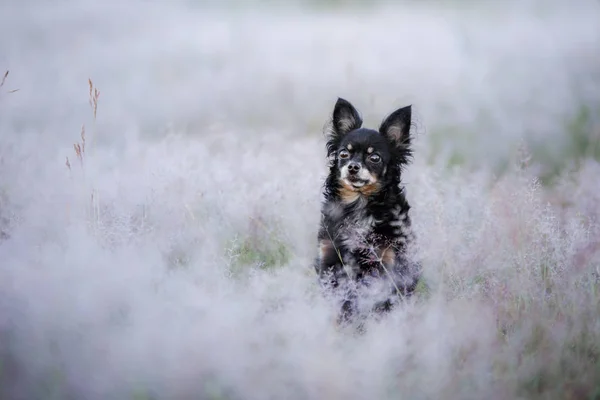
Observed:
{"x":344,"y":154}
{"x":375,"y":158}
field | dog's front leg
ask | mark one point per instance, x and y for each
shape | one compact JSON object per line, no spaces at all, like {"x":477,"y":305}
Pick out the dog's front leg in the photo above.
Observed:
{"x":334,"y":276}
{"x":402,"y":275}
{"x":406,"y":274}
{"x":329,"y":265}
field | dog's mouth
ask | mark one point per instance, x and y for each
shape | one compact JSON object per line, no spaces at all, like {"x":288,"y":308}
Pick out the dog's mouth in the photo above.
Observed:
{"x":355,"y":182}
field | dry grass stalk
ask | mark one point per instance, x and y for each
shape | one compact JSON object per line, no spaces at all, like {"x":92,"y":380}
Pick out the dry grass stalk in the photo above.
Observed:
{"x":4,"y":78}
{"x":81,"y":150}
{"x":94,"y":95}
{"x":4,"y":81}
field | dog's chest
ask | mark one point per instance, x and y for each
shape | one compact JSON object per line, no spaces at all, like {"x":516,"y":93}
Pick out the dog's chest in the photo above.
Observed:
{"x":368,"y":229}
{"x":355,"y":230}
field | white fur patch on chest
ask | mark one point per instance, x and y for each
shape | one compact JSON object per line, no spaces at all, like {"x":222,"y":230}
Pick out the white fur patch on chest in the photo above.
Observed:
{"x":356,"y":229}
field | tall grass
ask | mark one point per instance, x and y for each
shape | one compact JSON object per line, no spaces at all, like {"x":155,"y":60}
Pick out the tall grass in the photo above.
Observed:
{"x":176,"y":262}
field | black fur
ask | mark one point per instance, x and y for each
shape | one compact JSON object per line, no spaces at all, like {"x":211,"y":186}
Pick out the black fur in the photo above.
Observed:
{"x":365,"y":227}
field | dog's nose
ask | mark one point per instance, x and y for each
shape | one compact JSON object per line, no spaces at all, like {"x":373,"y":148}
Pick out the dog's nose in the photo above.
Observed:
{"x":353,"y":168}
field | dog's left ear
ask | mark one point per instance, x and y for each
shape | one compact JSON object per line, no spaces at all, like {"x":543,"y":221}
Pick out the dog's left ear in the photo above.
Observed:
{"x":345,"y":117}
{"x":396,"y":127}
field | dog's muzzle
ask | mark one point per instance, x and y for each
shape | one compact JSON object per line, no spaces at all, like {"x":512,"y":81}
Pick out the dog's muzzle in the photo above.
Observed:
{"x":355,"y":175}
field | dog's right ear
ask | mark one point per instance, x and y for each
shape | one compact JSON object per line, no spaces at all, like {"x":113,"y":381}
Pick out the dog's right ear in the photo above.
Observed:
{"x":396,"y":127}
{"x":345,"y":118}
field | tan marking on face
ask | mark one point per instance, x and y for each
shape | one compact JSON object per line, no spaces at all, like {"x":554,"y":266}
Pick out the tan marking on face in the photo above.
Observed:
{"x":370,"y":150}
{"x":348,"y":193}
{"x":370,"y":189}
{"x":349,"y":147}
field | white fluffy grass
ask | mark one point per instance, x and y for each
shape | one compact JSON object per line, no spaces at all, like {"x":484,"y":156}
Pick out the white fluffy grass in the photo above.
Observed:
{"x":133,"y":294}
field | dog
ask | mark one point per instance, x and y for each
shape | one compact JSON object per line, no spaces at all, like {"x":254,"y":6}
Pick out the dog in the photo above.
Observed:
{"x":365,"y":227}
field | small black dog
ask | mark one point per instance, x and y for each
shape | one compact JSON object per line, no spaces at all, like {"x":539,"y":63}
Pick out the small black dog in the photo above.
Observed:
{"x":365,"y":228}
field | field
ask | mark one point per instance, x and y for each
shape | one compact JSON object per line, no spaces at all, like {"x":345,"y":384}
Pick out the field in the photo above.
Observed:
{"x":160,"y":174}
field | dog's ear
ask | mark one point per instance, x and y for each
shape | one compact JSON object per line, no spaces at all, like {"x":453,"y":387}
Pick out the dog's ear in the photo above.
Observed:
{"x":345,"y":117}
{"x":396,"y":127}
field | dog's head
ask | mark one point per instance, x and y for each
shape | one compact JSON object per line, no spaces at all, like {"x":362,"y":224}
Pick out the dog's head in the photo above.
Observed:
{"x":365,"y":160}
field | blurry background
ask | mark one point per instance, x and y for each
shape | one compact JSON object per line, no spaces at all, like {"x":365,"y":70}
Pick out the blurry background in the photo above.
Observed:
{"x":173,"y":254}
{"x":482,"y":75}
